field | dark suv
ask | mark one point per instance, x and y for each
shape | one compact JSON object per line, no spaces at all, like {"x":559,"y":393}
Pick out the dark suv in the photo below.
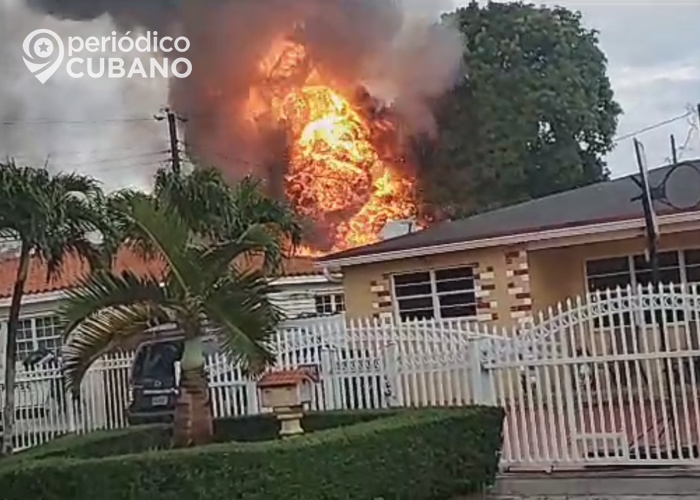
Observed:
{"x":154,"y":388}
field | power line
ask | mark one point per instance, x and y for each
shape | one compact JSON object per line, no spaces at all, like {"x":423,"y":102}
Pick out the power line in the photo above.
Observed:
{"x":77,"y":122}
{"x":119,"y":159}
{"x":82,"y":152}
{"x":654,"y":126}
{"x":110,"y":159}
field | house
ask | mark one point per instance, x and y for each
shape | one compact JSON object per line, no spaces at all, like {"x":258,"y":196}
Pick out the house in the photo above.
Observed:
{"x":302,"y":290}
{"x":506,"y":265}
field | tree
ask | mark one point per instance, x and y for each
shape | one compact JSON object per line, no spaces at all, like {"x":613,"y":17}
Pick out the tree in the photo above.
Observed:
{"x":201,"y":293}
{"x":214,"y":211}
{"x":51,"y":216}
{"x":534,"y":115}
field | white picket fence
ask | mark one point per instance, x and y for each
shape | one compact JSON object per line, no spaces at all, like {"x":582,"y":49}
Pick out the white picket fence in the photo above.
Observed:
{"x":363,"y":365}
{"x":596,"y":380}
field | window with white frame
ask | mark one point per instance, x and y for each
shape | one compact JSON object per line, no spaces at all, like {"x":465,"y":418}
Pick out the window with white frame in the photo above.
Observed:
{"x":330,"y":303}
{"x":439,"y":294}
{"x":675,"y":268}
{"x":37,"y":333}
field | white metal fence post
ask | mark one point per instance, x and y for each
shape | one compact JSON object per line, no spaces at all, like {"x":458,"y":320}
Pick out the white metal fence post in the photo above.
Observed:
{"x":253,"y":403}
{"x":391,"y":374}
{"x":326,"y":375}
{"x":480,"y":375}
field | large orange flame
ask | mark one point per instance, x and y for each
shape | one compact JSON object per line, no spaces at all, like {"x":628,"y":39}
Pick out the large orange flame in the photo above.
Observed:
{"x":336,"y":175}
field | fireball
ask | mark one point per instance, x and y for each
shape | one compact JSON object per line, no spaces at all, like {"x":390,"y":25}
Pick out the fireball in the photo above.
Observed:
{"x":336,"y":175}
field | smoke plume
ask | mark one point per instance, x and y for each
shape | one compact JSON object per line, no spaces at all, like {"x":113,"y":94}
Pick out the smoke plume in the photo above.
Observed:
{"x":392,"y":47}
{"x":75,"y":125}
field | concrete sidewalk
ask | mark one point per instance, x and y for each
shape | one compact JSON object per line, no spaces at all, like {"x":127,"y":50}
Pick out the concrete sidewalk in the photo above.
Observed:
{"x":600,"y":484}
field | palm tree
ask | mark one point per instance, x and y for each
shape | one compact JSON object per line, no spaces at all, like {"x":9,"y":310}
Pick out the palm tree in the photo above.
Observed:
{"x":51,"y":216}
{"x":203,"y":292}
{"x":214,"y":211}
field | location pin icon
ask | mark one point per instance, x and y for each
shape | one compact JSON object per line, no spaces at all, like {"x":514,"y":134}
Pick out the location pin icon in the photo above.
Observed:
{"x":43,"y":53}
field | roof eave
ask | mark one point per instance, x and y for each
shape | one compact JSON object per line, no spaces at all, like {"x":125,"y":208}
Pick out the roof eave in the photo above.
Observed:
{"x":511,"y":239}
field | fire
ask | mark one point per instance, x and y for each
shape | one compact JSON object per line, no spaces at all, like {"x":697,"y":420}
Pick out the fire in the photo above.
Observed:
{"x":337,"y":174}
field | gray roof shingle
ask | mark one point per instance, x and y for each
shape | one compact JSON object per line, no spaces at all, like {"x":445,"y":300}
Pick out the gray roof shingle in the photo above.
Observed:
{"x":604,"y":201}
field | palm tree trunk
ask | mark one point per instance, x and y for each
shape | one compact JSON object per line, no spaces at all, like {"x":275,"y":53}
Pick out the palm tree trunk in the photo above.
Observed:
{"x":193,"y":425}
{"x":8,"y":413}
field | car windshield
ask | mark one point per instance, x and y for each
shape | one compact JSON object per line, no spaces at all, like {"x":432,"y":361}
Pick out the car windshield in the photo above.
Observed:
{"x":157,"y":361}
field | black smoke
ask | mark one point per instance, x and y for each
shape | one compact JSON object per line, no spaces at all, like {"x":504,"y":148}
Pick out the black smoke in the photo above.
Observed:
{"x":369,"y":42}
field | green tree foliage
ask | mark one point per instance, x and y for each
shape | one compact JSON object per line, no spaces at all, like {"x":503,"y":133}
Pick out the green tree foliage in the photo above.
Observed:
{"x":213,"y":211}
{"x":534,"y":115}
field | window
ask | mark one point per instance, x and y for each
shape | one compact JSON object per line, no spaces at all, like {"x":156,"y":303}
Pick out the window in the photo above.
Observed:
{"x":675,"y":267}
{"x":608,"y":274}
{"x":444,"y":293}
{"x":37,"y":333}
{"x":328,"y":304}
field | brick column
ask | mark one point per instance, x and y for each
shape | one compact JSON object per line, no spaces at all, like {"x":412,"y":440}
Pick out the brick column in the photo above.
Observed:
{"x":382,"y":304}
{"x":518,"y":276}
{"x":485,"y":291}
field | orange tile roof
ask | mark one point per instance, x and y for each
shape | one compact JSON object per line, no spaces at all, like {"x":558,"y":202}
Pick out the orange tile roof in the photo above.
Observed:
{"x":296,"y":266}
{"x":73,"y":270}
{"x":281,"y":378}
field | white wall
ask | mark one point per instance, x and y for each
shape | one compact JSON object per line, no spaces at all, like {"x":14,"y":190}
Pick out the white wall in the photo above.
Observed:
{"x":295,"y":297}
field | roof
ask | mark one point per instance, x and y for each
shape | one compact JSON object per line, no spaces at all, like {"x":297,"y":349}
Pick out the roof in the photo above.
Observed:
{"x":596,"y":203}
{"x":282,"y":378}
{"x":74,"y":270}
{"x":295,"y":266}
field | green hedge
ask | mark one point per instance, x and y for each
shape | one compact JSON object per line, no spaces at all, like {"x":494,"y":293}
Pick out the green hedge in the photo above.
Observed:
{"x":266,"y":427}
{"x":417,"y":455}
{"x":143,"y":438}
{"x":97,"y":444}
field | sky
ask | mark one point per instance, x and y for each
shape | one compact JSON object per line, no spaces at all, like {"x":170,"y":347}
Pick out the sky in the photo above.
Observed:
{"x":653,"y":51}
{"x":653,"y":48}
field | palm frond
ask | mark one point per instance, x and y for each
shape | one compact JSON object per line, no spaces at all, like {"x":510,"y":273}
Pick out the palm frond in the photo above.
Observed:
{"x":124,"y":233}
{"x":105,"y":331}
{"x":168,"y":233}
{"x":244,"y":319}
{"x":253,"y":207}
{"x":202,"y":198}
{"x":217,"y":259}
{"x":104,"y":290}
{"x":54,"y":215}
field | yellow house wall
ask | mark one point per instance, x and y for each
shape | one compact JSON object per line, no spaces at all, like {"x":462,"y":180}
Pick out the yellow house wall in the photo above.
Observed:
{"x":560,"y":273}
{"x":551,"y":276}
{"x":368,"y":288}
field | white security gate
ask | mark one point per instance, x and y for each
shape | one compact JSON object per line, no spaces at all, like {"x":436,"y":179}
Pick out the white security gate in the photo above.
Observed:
{"x":610,"y":380}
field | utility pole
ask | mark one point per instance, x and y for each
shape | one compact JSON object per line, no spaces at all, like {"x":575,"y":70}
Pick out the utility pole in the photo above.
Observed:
{"x":652,"y":233}
{"x":697,"y":109}
{"x":172,"y":132}
{"x":674,"y":152}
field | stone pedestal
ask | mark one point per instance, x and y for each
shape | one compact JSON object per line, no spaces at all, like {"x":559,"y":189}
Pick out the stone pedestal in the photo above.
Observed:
{"x":290,"y":421}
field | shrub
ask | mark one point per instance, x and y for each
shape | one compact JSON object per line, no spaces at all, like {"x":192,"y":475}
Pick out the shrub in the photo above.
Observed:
{"x":422,"y":454}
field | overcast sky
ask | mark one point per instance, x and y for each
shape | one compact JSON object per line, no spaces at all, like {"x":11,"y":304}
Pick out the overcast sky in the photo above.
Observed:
{"x":653,"y":48}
